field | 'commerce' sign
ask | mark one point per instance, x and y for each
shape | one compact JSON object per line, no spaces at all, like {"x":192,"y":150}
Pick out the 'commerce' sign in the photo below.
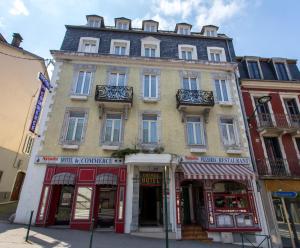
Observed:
{"x":216,"y":160}
{"x":77,"y":160}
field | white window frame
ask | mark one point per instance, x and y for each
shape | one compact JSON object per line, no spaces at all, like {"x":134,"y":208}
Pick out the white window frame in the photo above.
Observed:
{"x":149,"y":129}
{"x":115,"y":43}
{"x":150,"y":27}
{"x":235,"y":130}
{"x":210,"y":32}
{"x":75,"y":128}
{"x":184,"y":47}
{"x":28,"y":143}
{"x":228,"y":89}
{"x":215,"y":50}
{"x":194,"y":129}
{"x":259,"y":67}
{"x":189,"y":79}
{"x":150,"y":85}
{"x":281,"y":60}
{"x":83,"y":40}
{"x":118,"y":76}
{"x":150,"y":42}
{"x":122,"y":24}
{"x":183,"y":29}
{"x":94,"y":22}
{"x":82,"y":87}
{"x":112,"y":130}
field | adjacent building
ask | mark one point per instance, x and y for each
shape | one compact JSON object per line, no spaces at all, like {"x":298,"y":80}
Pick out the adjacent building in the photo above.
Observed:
{"x":133,"y":108}
{"x":274,"y":126}
{"x":20,"y":86}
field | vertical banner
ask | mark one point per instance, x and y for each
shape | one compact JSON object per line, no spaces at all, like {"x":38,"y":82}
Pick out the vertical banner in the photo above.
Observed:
{"x":45,"y":81}
{"x":38,"y":109}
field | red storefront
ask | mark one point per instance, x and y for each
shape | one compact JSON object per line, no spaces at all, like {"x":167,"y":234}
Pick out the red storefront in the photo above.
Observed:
{"x":75,"y":196}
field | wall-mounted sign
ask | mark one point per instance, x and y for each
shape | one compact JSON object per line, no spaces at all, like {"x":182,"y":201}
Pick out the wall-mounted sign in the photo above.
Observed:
{"x":77,"y":160}
{"x":285,"y":194}
{"x":150,"y":178}
{"x":216,"y":160}
{"x":38,"y":109}
{"x":45,"y":81}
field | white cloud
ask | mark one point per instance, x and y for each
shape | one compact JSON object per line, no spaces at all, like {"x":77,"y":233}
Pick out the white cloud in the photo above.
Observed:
{"x":19,"y":8}
{"x":2,"y":25}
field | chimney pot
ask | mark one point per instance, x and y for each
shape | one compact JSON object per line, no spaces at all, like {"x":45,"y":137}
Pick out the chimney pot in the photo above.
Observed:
{"x":17,"y":39}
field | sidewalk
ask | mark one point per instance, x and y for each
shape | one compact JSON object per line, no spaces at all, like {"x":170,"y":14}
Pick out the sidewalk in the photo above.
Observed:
{"x":13,"y":236}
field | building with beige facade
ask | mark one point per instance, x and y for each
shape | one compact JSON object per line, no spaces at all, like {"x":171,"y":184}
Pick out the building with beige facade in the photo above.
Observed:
{"x":20,"y":86}
{"x":130,"y":107}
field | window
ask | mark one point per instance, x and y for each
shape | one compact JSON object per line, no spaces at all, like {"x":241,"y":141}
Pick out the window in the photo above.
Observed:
{"x":228,"y":132}
{"x":184,"y":30}
{"x":216,"y":54}
{"x":195,"y":132}
{"x":75,"y":126}
{"x":297,"y":140}
{"x":187,"y":52}
{"x":222,"y":90}
{"x":211,"y":33}
{"x":120,"y":47}
{"x":83,"y":83}
{"x":293,"y":111}
{"x":121,"y":203}
{"x":123,"y":25}
{"x":28,"y":144}
{"x":149,"y":27}
{"x":113,"y":128}
{"x":94,"y":23}
{"x":83,"y":203}
{"x":253,"y":70}
{"x":281,"y":71}
{"x":150,"y":86}
{"x":117,"y":79}
{"x":190,"y":83}
{"x":1,"y":174}
{"x":149,"y":124}
{"x":43,"y":203}
{"x":88,"y":45}
{"x":149,"y":52}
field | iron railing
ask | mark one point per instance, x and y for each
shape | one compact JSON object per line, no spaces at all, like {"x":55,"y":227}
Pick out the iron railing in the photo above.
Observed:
{"x":195,"y":97}
{"x":277,"y":167}
{"x":267,"y":120}
{"x":264,"y":239}
{"x":110,"y":93}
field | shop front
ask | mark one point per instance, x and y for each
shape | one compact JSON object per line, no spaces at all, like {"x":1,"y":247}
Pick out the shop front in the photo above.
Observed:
{"x":218,"y":197}
{"x":76,"y":196}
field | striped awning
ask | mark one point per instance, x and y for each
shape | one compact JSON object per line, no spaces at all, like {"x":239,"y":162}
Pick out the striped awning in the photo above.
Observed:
{"x":63,"y":178}
{"x":106,"y":179}
{"x":217,"y":171}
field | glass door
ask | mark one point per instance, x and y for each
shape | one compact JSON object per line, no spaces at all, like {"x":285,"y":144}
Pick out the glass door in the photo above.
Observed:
{"x":264,"y":116}
{"x":293,"y":111}
{"x":63,"y":213}
{"x":107,"y":207}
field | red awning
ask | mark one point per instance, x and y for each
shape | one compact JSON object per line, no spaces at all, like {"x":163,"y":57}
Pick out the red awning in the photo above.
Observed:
{"x":217,"y":171}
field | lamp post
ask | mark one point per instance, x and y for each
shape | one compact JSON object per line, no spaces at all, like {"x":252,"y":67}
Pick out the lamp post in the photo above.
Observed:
{"x":261,"y":101}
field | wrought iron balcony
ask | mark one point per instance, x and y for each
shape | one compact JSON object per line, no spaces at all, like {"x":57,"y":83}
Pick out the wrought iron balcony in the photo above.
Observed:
{"x":116,"y":94}
{"x":194,"y":98}
{"x":277,"y":167}
{"x":276,"y":123}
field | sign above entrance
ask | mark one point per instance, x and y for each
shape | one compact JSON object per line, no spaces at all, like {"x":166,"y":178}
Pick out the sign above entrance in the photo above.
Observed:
{"x":150,"y":178}
{"x":216,"y":160}
{"x":77,"y":160}
{"x":285,"y":194}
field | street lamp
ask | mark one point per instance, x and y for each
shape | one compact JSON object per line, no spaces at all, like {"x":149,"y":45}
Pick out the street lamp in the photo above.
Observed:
{"x":261,"y":101}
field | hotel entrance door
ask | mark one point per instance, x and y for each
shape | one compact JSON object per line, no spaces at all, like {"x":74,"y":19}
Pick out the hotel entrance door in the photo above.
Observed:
{"x":107,"y":206}
{"x":150,"y":203}
{"x":63,"y":213}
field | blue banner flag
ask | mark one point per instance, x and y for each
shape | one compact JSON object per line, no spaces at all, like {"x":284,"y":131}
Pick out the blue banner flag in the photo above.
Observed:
{"x":45,"y":81}
{"x":38,"y":109}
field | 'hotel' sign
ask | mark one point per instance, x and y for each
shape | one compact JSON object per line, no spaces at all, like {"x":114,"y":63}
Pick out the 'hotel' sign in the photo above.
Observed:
{"x":77,"y":160}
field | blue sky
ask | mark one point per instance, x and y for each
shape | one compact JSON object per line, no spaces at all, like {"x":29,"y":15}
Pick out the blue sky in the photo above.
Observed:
{"x":267,"y":28}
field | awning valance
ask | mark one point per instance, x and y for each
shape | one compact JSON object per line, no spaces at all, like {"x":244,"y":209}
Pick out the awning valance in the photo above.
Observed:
{"x":63,"y":178}
{"x":107,"y":179}
{"x":217,"y":171}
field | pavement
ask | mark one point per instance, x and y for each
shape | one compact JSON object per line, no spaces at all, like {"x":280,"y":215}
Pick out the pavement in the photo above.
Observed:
{"x":13,"y":236}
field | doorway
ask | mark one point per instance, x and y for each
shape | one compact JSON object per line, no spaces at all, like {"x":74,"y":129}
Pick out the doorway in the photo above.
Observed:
{"x":17,"y":186}
{"x":106,"y":207}
{"x":64,"y":207}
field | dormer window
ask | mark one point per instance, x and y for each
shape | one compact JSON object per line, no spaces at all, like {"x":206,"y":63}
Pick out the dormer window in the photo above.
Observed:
{"x":183,"y":28}
{"x":150,"y":26}
{"x":88,"y":45}
{"x":254,"y":70}
{"x":210,"y":31}
{"x":216,"y":54}
{"x":150,"y":47}
{"x":94,"y":21}
{"x":187,"y":52}
{"x":122,"y":23}
{"x":120,"y":47}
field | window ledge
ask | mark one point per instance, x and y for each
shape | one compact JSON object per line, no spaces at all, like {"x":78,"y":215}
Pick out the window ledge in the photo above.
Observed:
{"x":70,"y":147}
{"x":110,"y":147}
{"x":198,"y":150}
{"x":150,"y":100}
{"x":226,"y":104}
{"x":79,"y":97}
{"x":234,"y":151}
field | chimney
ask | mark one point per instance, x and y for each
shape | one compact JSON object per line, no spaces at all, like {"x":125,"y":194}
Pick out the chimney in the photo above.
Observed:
{"x":17,"y":39}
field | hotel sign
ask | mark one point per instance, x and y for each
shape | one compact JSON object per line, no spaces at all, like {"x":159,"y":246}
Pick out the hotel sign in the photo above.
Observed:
{"x":150,"y":178}
{"x":217,"y":160}
{"x":77,"y":160}
{"x":38,"y":109}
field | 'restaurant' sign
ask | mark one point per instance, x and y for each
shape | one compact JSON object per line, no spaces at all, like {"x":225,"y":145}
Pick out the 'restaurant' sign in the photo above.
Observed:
{"x":77,"y":160}
{"x":150,"y":178}
{"x":216,"y":160}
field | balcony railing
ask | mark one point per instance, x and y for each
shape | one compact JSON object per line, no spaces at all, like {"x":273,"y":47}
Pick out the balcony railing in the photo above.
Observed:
{"x":195,"y":98}
{"x":281,"y":121}
{"x":109,"y":93}
{"x":277,"y":167}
